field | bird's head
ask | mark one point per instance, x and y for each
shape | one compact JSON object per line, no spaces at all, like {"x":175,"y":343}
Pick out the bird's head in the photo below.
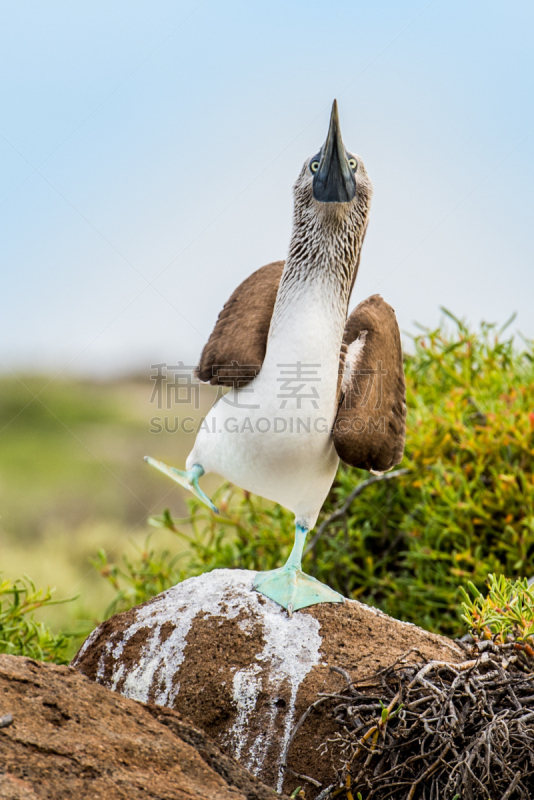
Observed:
{"x":333,"y":188}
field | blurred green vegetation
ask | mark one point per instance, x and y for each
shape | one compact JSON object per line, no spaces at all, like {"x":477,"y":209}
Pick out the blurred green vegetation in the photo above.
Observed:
{"x":72,"y":480}
{"x":406,"y":545}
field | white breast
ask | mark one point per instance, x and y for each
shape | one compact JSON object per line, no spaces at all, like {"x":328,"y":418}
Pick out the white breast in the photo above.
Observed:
{"x":273,"y":437}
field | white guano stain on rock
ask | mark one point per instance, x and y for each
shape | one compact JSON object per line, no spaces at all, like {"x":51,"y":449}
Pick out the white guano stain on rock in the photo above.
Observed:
{"x":89,"y":641}
{"x":247,"y":686}
{"x":290,"y":651}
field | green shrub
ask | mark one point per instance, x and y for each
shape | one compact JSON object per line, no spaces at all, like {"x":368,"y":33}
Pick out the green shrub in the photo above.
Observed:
{"x":505,"y":615}
{"x":20,"y":634}
{"x":465,"y":510}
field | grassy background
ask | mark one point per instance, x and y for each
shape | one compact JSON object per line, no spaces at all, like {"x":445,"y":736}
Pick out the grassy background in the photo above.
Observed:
{"x":73,"y":480}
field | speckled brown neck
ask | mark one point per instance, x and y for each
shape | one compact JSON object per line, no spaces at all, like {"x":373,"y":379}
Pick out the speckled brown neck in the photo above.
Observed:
{"x":324,"y":250}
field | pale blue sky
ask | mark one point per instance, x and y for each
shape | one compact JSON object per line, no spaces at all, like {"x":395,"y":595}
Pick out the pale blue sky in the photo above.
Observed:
{"x":149,"y":149}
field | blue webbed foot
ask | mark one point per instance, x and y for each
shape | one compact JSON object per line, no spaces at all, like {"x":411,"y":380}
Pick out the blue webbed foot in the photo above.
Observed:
{"x":186,"y":478}
{"x":290,"y":587}
{"x":293,"y":589}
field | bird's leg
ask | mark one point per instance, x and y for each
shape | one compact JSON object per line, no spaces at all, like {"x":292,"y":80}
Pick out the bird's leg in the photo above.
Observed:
{"x":289,"y":586}
{"x":186,"y":478}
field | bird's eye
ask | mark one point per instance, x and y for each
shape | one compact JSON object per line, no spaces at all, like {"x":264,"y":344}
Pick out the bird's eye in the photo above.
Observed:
{"x":353,"y":163}
{"x":314,"y":166}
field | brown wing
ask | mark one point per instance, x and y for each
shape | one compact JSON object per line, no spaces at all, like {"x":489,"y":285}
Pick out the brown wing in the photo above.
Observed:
{"x":371,"y":422}
{"x":235,"y":350}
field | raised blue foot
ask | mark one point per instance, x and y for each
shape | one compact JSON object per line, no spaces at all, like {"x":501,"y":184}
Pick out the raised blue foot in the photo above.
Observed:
{"x":186,"y":478}
{"x":290,"y":587}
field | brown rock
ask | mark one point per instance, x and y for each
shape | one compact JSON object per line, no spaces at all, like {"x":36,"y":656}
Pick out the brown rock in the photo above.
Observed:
{"x":234,"y":662}
{"x":73,"y":739}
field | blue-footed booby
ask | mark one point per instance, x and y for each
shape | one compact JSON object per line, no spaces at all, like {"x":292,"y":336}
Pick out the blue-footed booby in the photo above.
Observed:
{"x":307,"y":385}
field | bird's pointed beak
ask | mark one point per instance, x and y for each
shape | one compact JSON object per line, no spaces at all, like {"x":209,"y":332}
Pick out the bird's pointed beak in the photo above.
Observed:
{"x":334,"y":180}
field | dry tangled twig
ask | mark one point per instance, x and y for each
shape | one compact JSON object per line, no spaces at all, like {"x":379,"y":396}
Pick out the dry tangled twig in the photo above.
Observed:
{"x":433,"y":730}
